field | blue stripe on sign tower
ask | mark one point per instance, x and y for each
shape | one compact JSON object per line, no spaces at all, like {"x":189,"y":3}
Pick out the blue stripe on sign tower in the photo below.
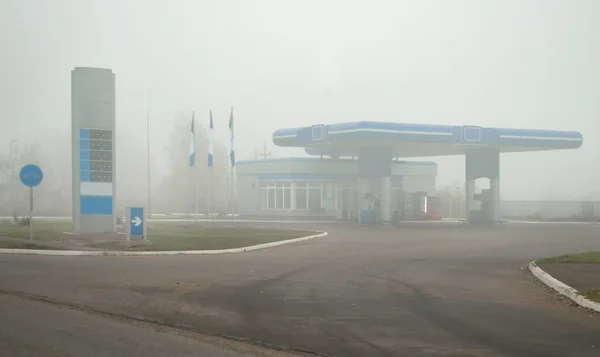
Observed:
{"x":84,"y":176}
{"x":84,"y":155}
{"x":84,"y":134}
{"x":84,"y":144}
{"x":95,"y":204}
{"x":95,"y":171}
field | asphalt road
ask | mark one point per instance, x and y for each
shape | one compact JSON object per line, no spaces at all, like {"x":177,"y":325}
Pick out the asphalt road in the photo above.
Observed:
{"x":421,"y":290}
{"x":31,"y":328}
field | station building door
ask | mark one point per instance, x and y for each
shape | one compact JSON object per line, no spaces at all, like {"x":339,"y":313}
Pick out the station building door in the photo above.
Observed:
{"x":347,"y":205}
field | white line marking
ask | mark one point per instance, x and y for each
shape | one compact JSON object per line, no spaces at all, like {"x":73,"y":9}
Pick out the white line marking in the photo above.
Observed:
{"x":224,"y":220}
{"x":539,"y":138}
{"x":390,"y":131}
{"x":550,"y":222}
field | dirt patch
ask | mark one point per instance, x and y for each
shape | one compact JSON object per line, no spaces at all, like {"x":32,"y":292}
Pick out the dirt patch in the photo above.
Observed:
{"x":101,"y":241}
{"x":66,"y":242}
{"x":16,"y":243}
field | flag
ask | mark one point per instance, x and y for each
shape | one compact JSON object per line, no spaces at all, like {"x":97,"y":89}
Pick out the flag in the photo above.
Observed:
{"x":232,"y":152}
{"x":211,"y":142}
{"x":192,"y":153}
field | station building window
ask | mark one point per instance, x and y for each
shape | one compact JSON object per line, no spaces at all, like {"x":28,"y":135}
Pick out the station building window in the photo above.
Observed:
{"x":294,"y":195}
{"x":301,"y":196}
{"x":276,"y":195}
{"x":287,"y":197}
{"x":279,"y":196}
{"x":315,"y":195}
{"x":271,"y":196}
{"x":264,"y":196}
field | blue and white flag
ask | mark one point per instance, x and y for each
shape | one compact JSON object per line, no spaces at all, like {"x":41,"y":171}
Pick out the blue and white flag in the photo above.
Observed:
{"x":192,"y":153}
{"x":232,"y":152}
{"x":211,"y":142}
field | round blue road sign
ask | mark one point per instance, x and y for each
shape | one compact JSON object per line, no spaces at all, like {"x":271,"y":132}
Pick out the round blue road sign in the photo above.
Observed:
{"x":31,"y":175}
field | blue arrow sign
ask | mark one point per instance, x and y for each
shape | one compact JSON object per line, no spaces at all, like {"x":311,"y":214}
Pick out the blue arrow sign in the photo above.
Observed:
{"x":137,"y":221}
{"x":31,"y":175}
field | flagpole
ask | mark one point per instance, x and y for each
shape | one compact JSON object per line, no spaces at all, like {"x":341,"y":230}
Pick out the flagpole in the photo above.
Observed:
{"x":195,"y":200}
{"x":231,"y":193}
{"x":148,"y":150}
{"x":194,"y":173}
{"x":232,"y":167}
{"x":211,"y":143}
{"x":210,"y":196}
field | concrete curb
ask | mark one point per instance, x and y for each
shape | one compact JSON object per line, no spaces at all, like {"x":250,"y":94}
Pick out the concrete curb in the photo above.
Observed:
{"x":552,"y":222}
{"x":228,"y":221}
{"x":562,"y":288}
{"x":174,"y":252}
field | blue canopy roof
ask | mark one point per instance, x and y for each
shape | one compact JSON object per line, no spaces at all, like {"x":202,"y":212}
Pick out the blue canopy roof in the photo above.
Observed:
{"x":418,"y":140}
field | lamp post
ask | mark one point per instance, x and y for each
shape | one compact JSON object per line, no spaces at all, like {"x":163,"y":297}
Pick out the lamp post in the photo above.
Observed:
{"x":11,"y":166}
{"x":12,"y":143}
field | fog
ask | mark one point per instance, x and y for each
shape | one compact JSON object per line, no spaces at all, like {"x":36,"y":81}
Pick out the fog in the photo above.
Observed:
{"x":521,"y":64}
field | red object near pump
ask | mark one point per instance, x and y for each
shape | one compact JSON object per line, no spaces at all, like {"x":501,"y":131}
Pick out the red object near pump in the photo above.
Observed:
{"x":433,"y":208}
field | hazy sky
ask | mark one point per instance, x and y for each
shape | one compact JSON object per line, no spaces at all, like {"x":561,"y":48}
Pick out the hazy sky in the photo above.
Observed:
{"x":523,"y":64}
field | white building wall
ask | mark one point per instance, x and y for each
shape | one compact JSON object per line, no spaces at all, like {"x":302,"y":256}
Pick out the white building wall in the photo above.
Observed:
{"x":248,"y":199}
{"x":410,"y":177}
{"x":327,"y":166}
{"x":419,"y":183}
{"x":418,"y":169}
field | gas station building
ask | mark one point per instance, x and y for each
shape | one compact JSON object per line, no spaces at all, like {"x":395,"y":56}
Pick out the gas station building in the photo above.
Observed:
{"x":359,"y":163}
{"x":322,"y":186}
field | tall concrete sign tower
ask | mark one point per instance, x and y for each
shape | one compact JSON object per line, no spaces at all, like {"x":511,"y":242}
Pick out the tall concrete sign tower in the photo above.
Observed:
{"x":93,"y":150}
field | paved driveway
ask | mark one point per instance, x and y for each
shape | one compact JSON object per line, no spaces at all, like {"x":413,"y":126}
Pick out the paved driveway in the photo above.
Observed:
{"x":422,"y":290}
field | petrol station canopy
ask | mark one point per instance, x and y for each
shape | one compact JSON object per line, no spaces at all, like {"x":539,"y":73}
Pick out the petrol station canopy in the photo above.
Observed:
{"x":419,"y":140}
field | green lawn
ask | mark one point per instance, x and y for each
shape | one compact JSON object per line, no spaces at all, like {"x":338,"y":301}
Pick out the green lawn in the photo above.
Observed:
{"x":14,"y":244}
{"x":197,"y":237}
{"x":587,"y":257}
{"x":163,"y":235}
{"x":46,"y":231}
{"x":593,"y":295}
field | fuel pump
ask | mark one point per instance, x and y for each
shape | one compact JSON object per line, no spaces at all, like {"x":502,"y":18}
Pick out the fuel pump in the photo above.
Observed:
{"x":484,"y":214}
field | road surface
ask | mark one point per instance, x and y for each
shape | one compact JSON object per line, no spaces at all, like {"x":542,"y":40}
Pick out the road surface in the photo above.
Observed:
{"x":421,"y":290}
{"x":33,"y":328}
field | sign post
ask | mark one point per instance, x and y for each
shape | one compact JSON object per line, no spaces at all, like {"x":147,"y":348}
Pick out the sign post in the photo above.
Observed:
{"x":136,"y":222}
{"x":31,"y":176}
